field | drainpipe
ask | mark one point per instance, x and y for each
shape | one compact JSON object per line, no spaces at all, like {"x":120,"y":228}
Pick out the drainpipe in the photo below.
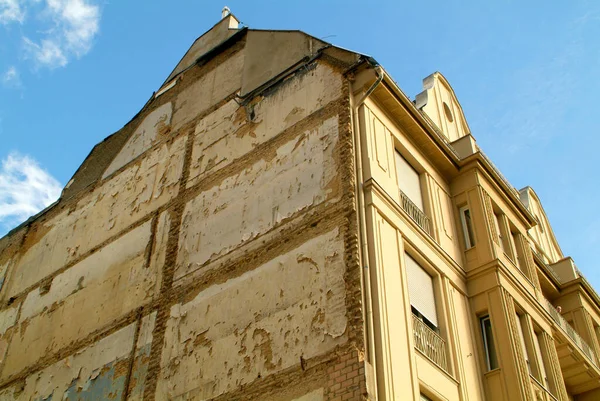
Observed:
{"x":362,"y":225}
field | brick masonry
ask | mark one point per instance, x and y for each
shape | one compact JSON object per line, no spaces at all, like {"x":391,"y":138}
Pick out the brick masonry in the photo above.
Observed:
{"x":212,"y":255}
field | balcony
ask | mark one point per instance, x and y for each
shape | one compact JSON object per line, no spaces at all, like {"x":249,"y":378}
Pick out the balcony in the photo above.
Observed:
{"x":415,"y":213}
{"x":571,"y":333}
{"x":430,"y":343}
{"x":578,"y":362}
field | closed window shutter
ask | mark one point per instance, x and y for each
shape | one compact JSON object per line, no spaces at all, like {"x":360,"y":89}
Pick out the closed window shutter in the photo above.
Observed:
{"x":408,"y":180}
{"x":420,"y":290}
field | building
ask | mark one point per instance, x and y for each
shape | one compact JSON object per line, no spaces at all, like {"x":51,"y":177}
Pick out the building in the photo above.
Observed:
{"x":281,"y":222}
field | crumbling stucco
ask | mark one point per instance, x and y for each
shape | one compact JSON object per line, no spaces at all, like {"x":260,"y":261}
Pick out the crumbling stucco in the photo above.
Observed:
{"x":86,"y":297}
{"x":8,"y":319}
{"x":208,"y":90}
{"x":95,"y":372}
{"x":154,"y":128}
{"x":119,"y":202}
{"x":316,"y":395}
{"x":3,"y":270}
{"x":137,"y":287}
{"x":139,"y":371}
{"x":284,"y":182}
{"x":258,"y":323}
{"x":233,"y":130}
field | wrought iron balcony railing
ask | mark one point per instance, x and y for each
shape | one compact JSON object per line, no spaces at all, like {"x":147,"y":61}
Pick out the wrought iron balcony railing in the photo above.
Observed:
{"x":570,"y":331}
{"x":415,"y":213}
{"x":430,"y":343}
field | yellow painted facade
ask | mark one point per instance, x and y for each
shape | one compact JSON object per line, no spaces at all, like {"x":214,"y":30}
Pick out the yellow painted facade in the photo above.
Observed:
{"x":281,"y":222}
{"x":516,"y":319}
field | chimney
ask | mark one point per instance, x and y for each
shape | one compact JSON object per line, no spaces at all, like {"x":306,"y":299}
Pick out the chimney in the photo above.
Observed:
{"x":226,"y":11}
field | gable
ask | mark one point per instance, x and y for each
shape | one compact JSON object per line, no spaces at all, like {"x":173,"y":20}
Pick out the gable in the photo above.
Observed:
{"x":223,"y":30}
{"x":440,"y":104}
{"x":542,"y":233}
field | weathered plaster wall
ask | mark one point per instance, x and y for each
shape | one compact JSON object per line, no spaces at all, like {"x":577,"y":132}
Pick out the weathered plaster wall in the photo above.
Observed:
{"x":93,"y":293}
{"x":214,"y":258}
{"x":296,"y":176}
{"x":258,"y":323}
{"x":101,"y":214}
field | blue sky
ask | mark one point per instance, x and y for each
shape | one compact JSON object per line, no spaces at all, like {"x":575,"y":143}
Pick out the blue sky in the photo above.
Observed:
{"x":526,"y":73}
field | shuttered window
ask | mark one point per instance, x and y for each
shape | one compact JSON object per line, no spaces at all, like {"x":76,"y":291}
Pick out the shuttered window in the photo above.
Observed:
{"x":408,"y":180}
{"x":420,"y":290}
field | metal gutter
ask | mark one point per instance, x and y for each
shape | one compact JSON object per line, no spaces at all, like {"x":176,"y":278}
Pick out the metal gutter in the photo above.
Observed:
{"x":362,"y":223}
{"x":423,"y":120}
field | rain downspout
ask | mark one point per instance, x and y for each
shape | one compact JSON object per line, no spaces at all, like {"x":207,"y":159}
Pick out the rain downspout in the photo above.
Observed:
{"x":362,"y":225}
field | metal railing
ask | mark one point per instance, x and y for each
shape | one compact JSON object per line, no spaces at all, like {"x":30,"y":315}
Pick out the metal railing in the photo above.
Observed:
{"x":502,"y":177}
{"x":542,"y":392}
{"x":430,"y":343}
{"x":570,"y":332}
{"x":415,"y":213}
{"x":587,"y":283}
{"x":548,"y":268}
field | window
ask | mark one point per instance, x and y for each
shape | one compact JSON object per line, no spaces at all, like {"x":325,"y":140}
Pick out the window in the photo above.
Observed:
{"x":543,"y":373}
{"x":491,"y":357}
{"x":467,"y":225}
{"x":514,"y":241}
{"x":409,"y":181}
{"x":535,"y":356}
{"x":498,"y":220}
{"x":421,"y":293}
{"x":520,"y":323}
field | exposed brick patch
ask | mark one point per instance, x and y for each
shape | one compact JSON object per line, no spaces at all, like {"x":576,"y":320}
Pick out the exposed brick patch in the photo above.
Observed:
{"x":346,"y":378}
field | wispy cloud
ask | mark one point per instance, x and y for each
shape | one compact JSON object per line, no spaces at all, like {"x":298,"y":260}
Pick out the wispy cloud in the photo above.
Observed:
{"x":11,"y":11}
{"x":48,"y":53}
{"x":68,"y":28}
{"x":78,"y":21}
{"x":25,"y":189}
{"x":542,"y":87}
{"x":11,"y":78}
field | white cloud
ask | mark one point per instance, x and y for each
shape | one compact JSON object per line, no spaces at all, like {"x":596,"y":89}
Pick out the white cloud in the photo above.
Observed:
{"x":48,"y":53}
{"x":74,"y":25}
{"x":25,"y":189}
{"x":11,"y":78}
{"x":78,"y":21}
{"x":11,"y":11}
